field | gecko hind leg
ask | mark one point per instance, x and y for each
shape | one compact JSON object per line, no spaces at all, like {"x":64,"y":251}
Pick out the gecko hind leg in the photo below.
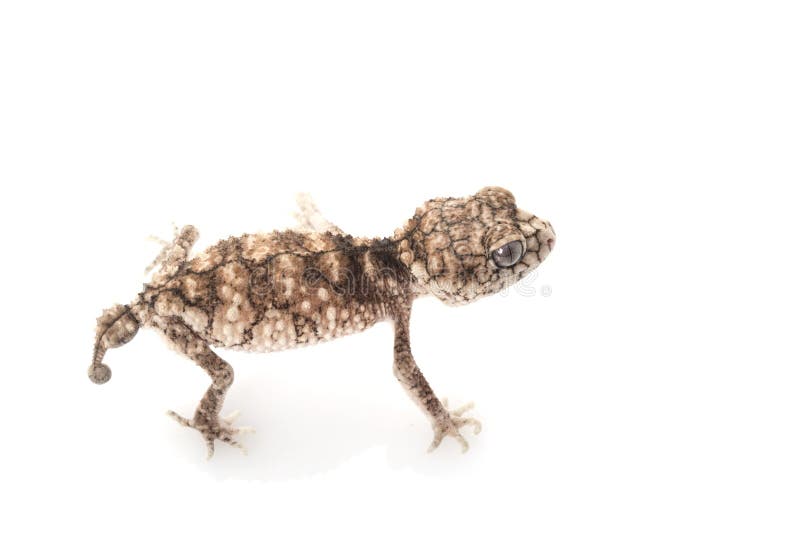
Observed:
{"x":206,"y":418}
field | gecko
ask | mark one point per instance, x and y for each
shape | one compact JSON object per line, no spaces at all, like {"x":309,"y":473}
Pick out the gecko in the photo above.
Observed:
{"x":267,"y":292}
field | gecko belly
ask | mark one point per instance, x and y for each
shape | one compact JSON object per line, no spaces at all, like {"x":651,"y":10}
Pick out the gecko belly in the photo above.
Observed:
{"x":282,"y":329}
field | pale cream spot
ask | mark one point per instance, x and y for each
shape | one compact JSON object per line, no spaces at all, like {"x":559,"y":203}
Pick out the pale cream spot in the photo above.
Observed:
{"x":330,"y":313}
{"x":437,"y":241}
{"x":195,"y":319}
{"x":305,"y":306}
{"x":166,"y":305}
{"x":288,"y":286}
{"x":226,"y":292}
{"x":435,"y":264}
{"x":429,"y":221}
{"x":228,"y":332}
{"x":266,"y":329}
{"x":273,"y":314}
{"x":205,"y":261}
{"x":291,"y":335}
{"x":419,"y":272}
{"x":229,"y":272}
{"x":190,"y":285}
{"x":322,"y":293}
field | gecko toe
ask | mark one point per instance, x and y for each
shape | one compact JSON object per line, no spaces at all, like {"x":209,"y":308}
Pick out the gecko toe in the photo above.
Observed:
{"x":450,"y":425}
{"x":437,"y":440}
{"x":221,"y":430}
{"x":231,"y":417}
{"x":180,"y":419}
{"x":460,"y":411}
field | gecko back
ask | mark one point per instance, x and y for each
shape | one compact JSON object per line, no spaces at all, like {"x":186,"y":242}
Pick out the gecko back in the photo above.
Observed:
{"x":266,"y":292}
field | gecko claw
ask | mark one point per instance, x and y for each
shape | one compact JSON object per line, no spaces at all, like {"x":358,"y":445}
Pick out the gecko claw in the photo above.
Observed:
{"x":450,"y":425}
{"x":221,"y":430}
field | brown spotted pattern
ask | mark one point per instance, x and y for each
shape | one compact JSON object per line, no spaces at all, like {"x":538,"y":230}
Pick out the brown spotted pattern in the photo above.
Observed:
{"x":268,"y":292}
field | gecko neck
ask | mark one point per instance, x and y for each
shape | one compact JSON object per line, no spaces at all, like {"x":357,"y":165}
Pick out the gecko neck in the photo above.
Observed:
{"x":377,"y":273}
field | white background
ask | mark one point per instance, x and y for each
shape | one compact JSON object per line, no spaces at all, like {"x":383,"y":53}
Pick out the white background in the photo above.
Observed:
{"x":655,"y":389}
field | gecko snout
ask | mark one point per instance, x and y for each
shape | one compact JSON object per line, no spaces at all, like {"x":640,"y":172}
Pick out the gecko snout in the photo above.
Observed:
{"x":545,"y":235}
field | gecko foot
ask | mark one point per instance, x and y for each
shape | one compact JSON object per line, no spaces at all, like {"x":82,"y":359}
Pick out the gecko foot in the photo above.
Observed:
{"x":450,"y":423}
{"x":222,"y":429}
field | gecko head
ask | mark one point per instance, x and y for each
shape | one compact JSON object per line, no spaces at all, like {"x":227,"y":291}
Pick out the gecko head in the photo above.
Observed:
{"x":461,"y":249}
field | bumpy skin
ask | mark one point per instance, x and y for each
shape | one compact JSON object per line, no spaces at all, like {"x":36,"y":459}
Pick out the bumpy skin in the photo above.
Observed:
{"x":267,"y":292}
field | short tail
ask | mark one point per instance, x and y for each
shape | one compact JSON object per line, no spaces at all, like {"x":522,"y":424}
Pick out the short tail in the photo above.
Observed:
{"x":115,"y":327}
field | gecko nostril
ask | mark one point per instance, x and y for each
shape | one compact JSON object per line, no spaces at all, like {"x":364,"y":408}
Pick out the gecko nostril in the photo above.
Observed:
{"x":550,"y":243}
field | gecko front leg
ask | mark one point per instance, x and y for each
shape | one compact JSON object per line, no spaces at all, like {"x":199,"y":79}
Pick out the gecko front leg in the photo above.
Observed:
{"x":445,"y":422}
{"x":206,"y":418}
{"x":310,"y":219}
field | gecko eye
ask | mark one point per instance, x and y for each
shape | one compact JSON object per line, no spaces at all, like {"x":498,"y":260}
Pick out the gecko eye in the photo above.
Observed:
{"x":508,"y":255}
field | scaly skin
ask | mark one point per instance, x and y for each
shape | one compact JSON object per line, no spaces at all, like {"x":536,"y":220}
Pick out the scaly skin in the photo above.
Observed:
{"x":268,"y":292}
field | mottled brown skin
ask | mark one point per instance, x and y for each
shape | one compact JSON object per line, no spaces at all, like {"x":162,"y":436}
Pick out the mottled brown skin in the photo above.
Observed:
{"x":267,"y":292}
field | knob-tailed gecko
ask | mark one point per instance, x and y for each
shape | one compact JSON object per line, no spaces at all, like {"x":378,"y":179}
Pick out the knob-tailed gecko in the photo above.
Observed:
{"x":269,"y":292}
